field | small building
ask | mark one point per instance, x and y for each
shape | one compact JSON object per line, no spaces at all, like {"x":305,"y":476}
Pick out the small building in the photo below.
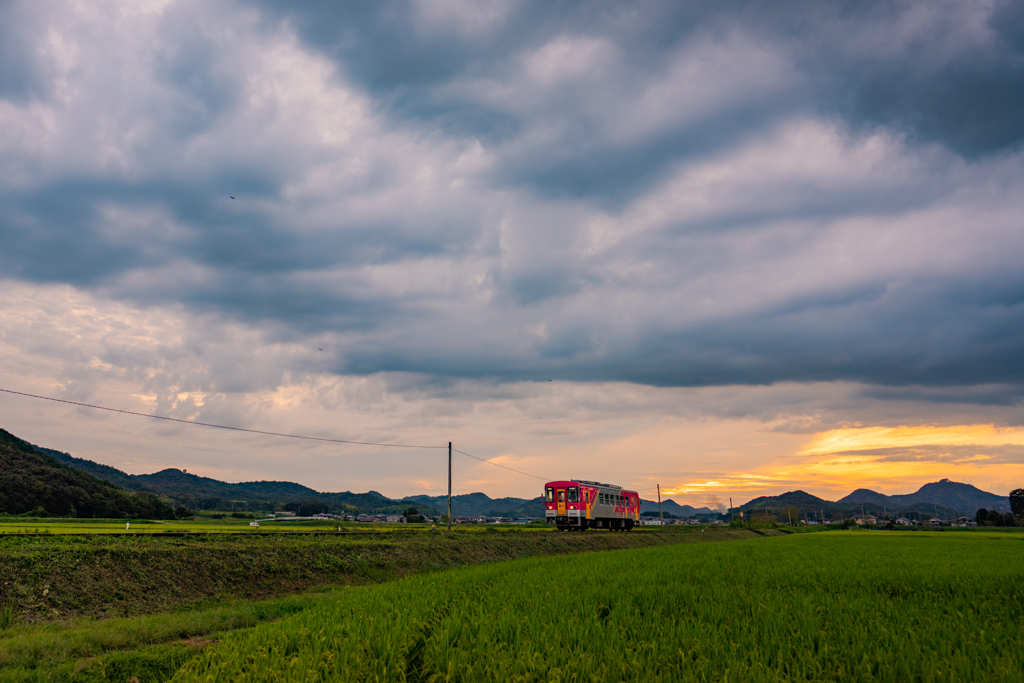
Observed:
{"x":254,"y":523}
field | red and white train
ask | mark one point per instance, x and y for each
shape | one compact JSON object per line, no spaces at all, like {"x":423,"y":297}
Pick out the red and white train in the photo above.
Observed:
{"x":577,"y":505}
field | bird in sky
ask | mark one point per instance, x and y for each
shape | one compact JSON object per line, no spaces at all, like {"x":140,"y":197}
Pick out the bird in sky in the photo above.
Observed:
{"x":231,"y":197}
{"x":320,"y":349}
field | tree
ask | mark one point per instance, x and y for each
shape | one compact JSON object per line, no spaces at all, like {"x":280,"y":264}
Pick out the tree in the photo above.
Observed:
{"x":1017,"y":502}
{"x":981,"y":516}
{"x":412,"y":512}
{"x":792,"y":514}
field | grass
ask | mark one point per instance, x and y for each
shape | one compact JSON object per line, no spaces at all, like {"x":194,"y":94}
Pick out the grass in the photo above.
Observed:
{"x":6,"y":616}
{"x":113,"y":526}
{"x":56,"y":577}
{"x":851,"y":606}
{"x":149,"y":648}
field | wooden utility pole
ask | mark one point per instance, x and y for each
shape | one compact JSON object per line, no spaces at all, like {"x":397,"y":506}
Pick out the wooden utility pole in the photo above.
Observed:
{"x":661,"y":515}
{"x":730,"y":511}
{"x":449,"y":486}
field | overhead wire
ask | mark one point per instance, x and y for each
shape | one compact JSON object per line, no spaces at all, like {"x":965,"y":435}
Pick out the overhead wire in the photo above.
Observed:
{"x":266,"y":433}
{"x":491,"y":462}
{"x":215,"y":426}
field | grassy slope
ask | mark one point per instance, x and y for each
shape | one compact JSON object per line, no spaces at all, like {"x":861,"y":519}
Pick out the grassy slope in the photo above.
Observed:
{"x":59,"y":577}
{"x":150,"y":647}
{"x":154,"y":646}
{"x":856,"y":606}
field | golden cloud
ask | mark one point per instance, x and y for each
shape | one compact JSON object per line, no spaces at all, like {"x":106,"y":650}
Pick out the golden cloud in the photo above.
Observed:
{"x":859,"y":439}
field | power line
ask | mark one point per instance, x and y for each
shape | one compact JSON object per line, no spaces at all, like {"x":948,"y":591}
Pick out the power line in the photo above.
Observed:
{"x":510,"y":469}
{"x":233,"y":429}
{"x":264,"y":433}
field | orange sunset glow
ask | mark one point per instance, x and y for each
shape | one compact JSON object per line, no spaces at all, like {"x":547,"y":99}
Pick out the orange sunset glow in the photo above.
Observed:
{"x":898,"y":459}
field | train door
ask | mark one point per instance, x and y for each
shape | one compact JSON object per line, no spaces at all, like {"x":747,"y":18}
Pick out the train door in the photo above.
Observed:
{"x":561,"y":502}
{"x":586,"y":499}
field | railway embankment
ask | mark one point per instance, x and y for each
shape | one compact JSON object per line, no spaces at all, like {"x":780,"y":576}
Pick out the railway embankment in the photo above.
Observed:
{"x":56,"y":577}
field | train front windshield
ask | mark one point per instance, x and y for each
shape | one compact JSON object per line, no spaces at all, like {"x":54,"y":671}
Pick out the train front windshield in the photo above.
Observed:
{"x":549,"y":495}
{"x":574,"y":495}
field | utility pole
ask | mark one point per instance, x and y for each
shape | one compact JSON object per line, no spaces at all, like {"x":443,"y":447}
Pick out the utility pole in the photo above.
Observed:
{"x":730,"y":511}
{"x":449,"y":486}
{"x":661,"y":515}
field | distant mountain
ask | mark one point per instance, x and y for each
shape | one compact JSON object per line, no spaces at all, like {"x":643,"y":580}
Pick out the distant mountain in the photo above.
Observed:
{"x":805,"y":502}
{"x":945,"y":493}
{"x":670,"y":507}
{"x":944,"y":498}
{"x":866,"y":496}
{"x":31,"y":480}
{"x":480,"y":504}
{"x":198,"y":492}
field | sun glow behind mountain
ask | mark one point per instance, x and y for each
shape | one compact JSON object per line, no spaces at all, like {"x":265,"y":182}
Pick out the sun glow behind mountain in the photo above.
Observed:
{"x":889,"y":459}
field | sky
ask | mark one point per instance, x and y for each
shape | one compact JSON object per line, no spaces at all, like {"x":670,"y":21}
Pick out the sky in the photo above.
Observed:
{"x":729,"y":249}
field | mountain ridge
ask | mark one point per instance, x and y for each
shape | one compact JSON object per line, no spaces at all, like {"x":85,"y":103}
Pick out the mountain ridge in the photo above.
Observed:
{"x":33,"y":482}
{"x":943,"y":497}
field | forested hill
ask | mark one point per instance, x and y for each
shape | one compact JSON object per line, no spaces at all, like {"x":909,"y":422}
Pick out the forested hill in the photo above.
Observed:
{"x":944,"y":493}
{"x":196,"y":492}
{"x":945,"y":499}
{"x":476,"y":504}
{"x":31,"y":481}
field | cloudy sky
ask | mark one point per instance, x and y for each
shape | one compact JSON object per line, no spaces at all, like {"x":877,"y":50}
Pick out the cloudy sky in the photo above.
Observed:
{"x":729,"y":248}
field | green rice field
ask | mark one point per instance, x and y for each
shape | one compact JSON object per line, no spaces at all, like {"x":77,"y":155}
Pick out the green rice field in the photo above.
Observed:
{"x":845,"y":606}
{"x":90,"y":526}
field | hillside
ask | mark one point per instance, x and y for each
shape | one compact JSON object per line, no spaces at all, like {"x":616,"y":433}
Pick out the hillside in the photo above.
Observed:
{"x":196,"y":492}
{"x":477,"y":504}
{"x":32,"y":481}
{"x":670,"y":507}
{"x":944,"y":493}
{"x":945,"y":499}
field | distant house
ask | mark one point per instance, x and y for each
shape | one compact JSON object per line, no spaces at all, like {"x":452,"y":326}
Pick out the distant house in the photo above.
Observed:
{"x":283,"y":513}
{"x":254,"y":523}
{"x":903,"y":521}
{"x":934,"y":522}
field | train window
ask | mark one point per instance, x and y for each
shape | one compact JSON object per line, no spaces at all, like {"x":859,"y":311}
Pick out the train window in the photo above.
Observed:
{"x":561,"y":495}
{"x":574,"y":495}
{"x":549,"y":495}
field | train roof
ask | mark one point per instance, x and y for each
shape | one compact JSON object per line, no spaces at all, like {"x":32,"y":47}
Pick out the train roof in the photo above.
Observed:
{"x":564,"y":482}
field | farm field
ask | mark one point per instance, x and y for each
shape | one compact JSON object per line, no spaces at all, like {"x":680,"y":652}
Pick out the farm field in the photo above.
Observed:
{"x":113,"y":526}
{"x":114,"y":607}
{"x":52,"y":577}
{"x":846,"y":606}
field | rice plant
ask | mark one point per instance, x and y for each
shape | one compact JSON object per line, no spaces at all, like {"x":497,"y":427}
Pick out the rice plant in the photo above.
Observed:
{"x":6,"y":616}
{"x":822,"y":607}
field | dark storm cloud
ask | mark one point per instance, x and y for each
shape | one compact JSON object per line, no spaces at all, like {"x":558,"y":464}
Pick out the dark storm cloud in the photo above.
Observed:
{"x":949,"y":72}
{"x":658,"y":192}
